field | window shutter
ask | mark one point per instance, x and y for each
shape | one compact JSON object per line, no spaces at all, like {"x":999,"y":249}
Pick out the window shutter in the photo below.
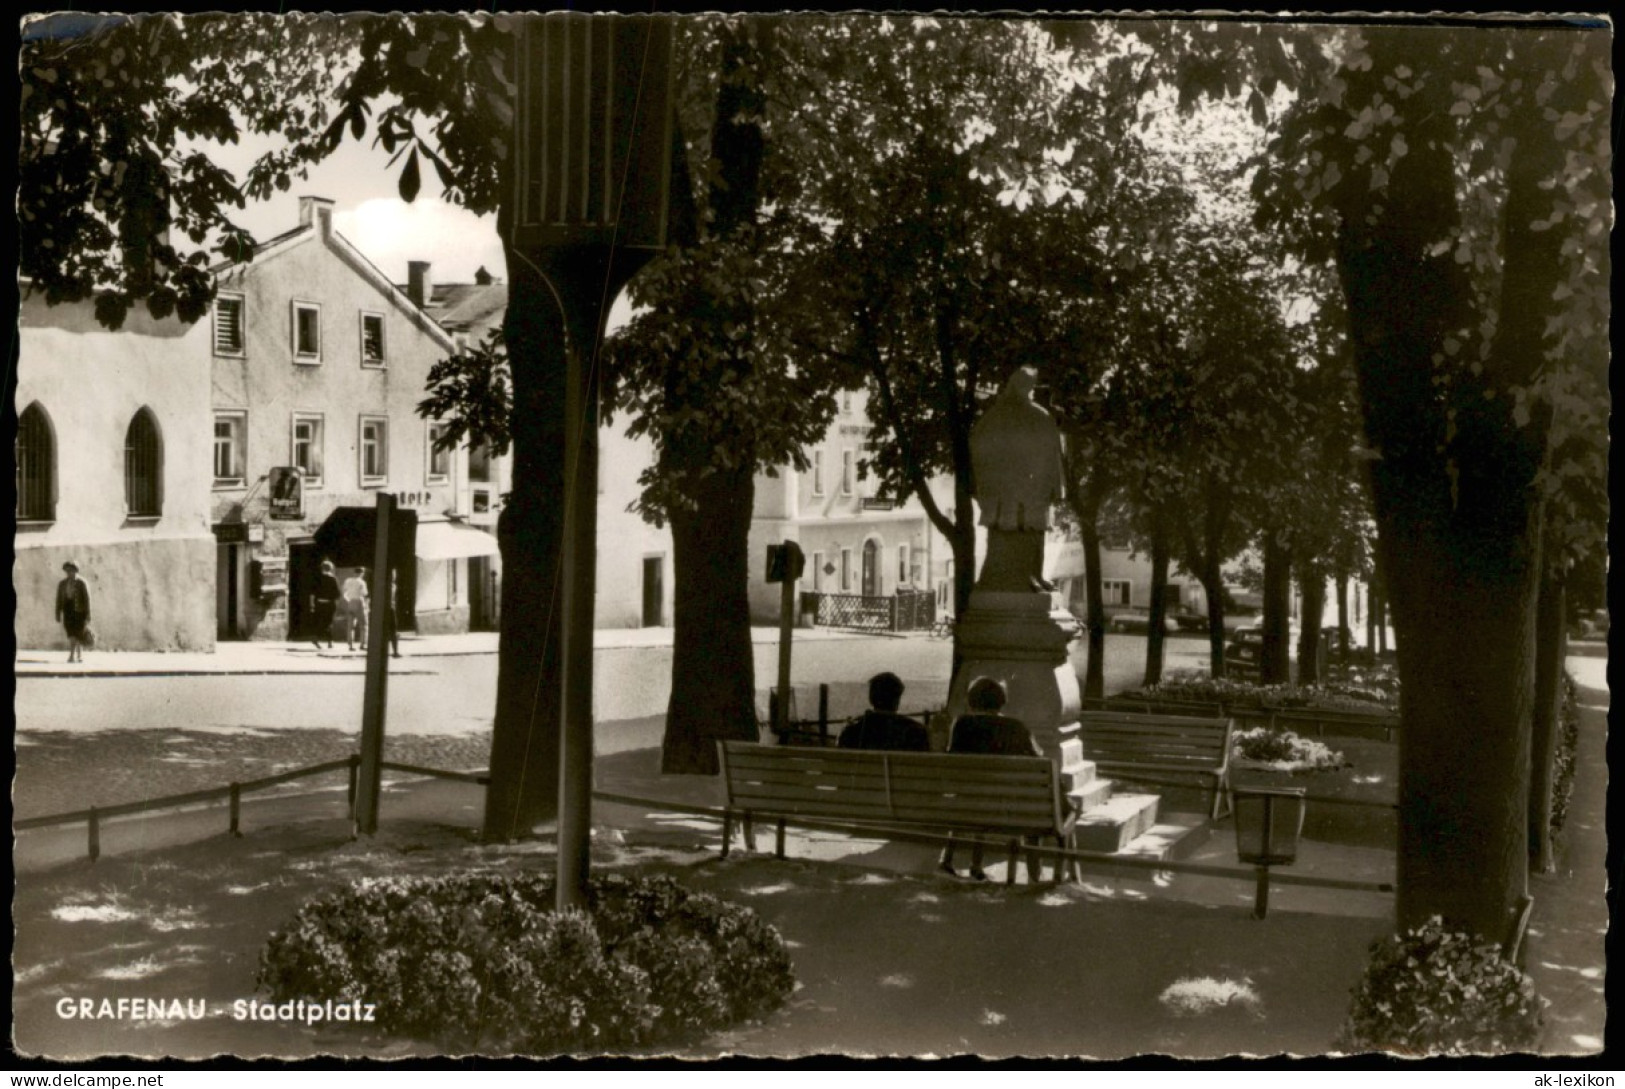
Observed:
{"x":228,"y":326}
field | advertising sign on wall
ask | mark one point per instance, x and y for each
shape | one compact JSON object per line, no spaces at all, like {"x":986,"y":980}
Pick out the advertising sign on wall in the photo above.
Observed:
{"x":287,"y":493}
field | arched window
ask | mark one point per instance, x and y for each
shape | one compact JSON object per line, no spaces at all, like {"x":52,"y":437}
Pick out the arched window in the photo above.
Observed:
{"x":143,"y":467}
{"x":36,"y":466}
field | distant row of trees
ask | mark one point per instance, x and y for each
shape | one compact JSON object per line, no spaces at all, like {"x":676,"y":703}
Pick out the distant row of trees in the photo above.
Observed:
{"x":919,"y":205}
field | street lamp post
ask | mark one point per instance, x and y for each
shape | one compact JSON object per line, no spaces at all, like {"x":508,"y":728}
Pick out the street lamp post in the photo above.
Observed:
{"x":593,"y":137}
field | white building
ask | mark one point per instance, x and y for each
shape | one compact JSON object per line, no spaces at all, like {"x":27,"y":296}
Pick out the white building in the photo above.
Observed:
{"x":318,"y":365}
{"x":112,"y":462}
{"x":855,"y":543}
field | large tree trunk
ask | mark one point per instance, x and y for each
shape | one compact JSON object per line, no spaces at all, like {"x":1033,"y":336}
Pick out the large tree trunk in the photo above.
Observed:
{"x":1156,"y":631}
{"x":1343,"y":617}
{"x":1094,"y":676}
{"x":525,"y":737}
{"x":1086,"y":509}
{"x":1213,"y":589}
{"x":713,"y":686}
{"x":1275,"y":662}
{"x":1550,"y":639}
{"x":713,"y":669}
{"x":1458,"y":519}
{"x":1313,"y":587}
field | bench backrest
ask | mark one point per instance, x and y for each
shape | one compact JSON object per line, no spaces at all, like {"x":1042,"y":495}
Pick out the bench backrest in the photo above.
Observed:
{"x":944,"y":789}
{"x":1171,"y":741}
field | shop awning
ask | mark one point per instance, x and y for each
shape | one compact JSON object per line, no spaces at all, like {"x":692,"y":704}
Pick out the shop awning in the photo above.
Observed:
{"x":453,"y":541}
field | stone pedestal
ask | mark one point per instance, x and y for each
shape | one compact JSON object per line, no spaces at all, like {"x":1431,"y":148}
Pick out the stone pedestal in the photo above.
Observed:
{"x":1012,"y":638}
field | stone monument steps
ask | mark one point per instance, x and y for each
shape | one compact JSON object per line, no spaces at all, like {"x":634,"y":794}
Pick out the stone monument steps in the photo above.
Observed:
{"x":1174,"y":836}
{"x":1092,"y":794}
{"x":1110,"y":825}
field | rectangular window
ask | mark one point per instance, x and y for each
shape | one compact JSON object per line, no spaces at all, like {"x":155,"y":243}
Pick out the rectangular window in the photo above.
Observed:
{"x":439,"y":458}
{"x":846,"y":569}
{"x":1116,"y":591}
{"x":305,"y":447}
{"x":817,"y":571}
{"x":374,"y":450}
{"x":228,"y":324}
{"x":479,"y":464}
{"x":307,"y":332}
{"x":848,"y":471}
{"x":372,"y":340}
{"x":230,"y":432}
{"x":902,"y":564}
{"x":818,"y":472}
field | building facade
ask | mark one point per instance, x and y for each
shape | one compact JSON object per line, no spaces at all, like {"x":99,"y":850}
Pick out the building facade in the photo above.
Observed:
{"x":112,"y":465}
{"x":634,"y":572}
{"x":318,"y":364}
{"x":854,"y":542}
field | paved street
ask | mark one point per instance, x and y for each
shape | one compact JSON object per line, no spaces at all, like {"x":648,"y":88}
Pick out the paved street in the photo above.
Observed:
{"x":279,"y":686}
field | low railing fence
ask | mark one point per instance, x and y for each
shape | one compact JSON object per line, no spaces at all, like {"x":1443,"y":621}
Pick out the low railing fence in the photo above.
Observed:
{"x":906,"y":610}
{"x":232,"y":793}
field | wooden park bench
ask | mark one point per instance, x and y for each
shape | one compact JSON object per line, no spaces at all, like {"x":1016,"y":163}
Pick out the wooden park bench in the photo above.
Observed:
{"x":1006,"y":796}
{"x":1345,"y":723}
{"x":1134,"y":745}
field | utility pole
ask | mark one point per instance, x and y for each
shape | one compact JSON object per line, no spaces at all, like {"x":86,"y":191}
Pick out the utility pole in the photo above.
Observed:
{"x":375,"y":695}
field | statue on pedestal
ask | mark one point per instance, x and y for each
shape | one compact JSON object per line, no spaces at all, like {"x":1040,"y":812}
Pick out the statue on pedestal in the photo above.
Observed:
{"x":1015,"y":451}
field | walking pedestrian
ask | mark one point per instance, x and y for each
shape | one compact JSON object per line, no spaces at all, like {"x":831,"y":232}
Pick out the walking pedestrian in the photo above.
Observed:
{"x":73,"y":610}
{"x":390,"y":626}
{"x":324,"y":602}
{"x":355,"y":608}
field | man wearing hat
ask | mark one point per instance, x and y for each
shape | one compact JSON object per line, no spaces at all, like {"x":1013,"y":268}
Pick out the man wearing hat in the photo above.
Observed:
{"x":73,"y":609}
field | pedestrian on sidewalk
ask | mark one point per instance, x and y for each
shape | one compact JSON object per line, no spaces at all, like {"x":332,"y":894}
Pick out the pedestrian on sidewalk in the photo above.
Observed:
{"x":390,"y":627}
{"x":73,"y":610}
{"x":355,"y":608}
{"x":324,"y":602}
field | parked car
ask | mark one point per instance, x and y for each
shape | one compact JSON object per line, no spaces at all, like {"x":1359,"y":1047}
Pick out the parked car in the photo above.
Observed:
{"x":1139,"y":623}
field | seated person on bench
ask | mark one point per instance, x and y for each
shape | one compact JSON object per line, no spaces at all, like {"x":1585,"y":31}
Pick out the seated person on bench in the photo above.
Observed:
{"x":881,"y":727}
{"x":985,"y":732}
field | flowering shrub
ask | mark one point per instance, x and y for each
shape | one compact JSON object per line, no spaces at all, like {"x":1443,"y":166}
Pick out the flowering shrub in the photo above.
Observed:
{"x":1433,"y":990}
{"x":483,"y":961}
{"x":1283,"y":750}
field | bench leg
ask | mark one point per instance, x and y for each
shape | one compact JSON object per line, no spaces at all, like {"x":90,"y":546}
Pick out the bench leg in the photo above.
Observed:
{"x":778,"y":840}
{"x":1035,"y":865}
{"x":727,"y":831}
{"x":1015,"y":857}
{"x":748,"y":834}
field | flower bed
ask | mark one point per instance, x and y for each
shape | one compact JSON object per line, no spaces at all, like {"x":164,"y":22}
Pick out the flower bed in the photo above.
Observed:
{"x":1264,"y":749}
{"x":1372,"y":694}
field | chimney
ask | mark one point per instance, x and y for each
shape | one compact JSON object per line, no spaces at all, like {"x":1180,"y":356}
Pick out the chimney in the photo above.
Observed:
{"x":317,"y":212}
{"x":419,"y":284}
